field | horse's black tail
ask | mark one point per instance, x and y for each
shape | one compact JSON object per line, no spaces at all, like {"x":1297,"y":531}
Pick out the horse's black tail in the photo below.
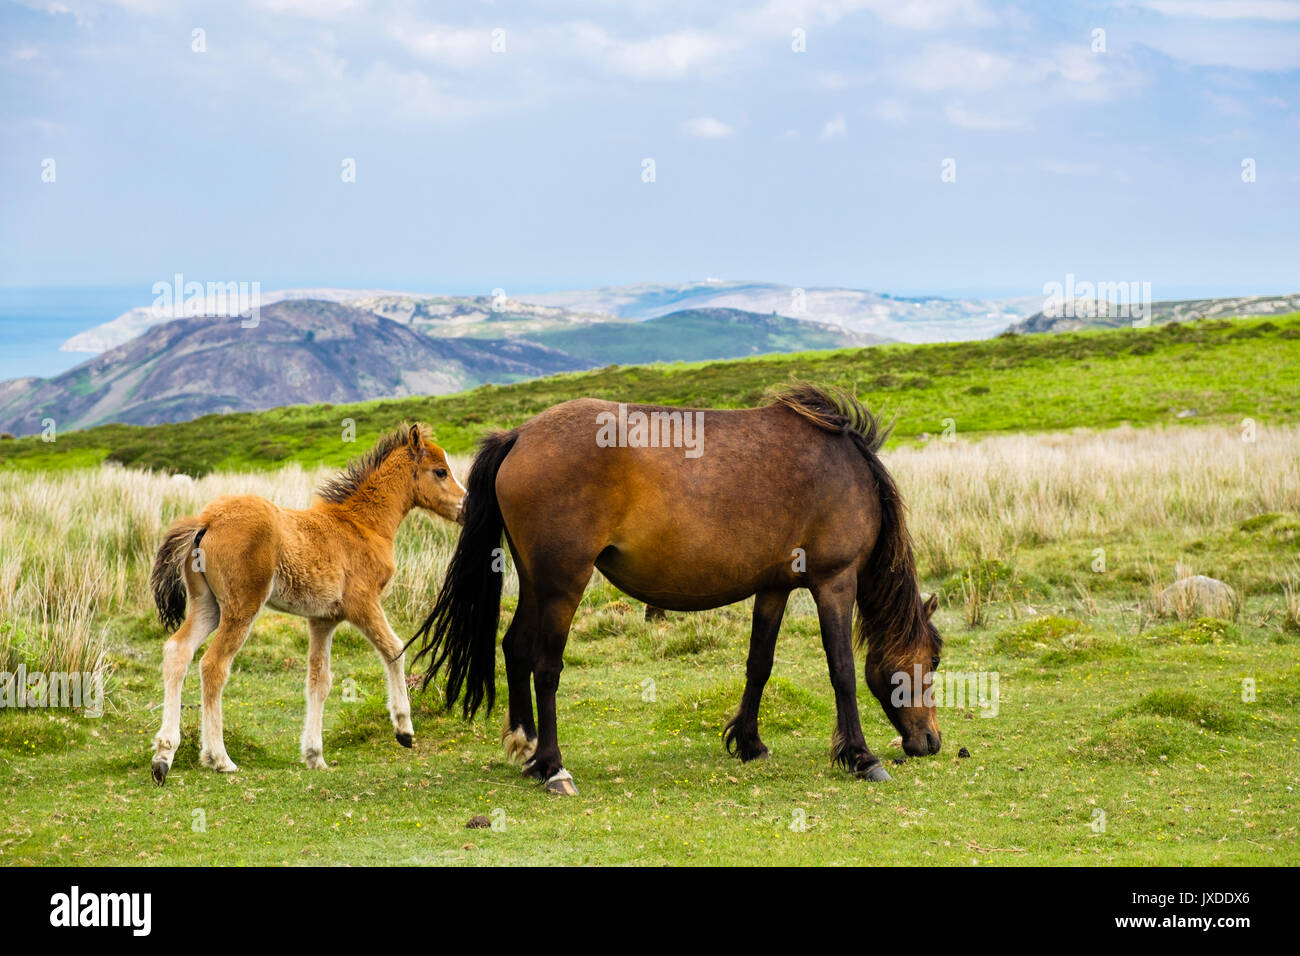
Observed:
{"x":167,"y":580}
{"x":461,"y":630}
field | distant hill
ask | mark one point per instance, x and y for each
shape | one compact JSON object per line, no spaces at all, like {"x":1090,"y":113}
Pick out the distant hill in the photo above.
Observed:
{"x":1176,"y":376}
{"x":1091,"y":314}
{"x":301,"y":351}
{"x":904,"y":318}
{"x":698,"y":334}
{"x":388,"y":346}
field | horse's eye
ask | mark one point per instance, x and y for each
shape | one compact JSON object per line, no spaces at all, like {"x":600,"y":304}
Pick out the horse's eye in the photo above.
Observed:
{"x":934,"y":663}
{"x":441,"y":472}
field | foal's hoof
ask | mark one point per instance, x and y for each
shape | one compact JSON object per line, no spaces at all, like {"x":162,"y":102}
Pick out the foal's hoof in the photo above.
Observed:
{"x":876,"y":771}
{"x":222,"y":764}
{"x":562,"y":783}
{"x":160,"y":769}
{"x":406,"y":740}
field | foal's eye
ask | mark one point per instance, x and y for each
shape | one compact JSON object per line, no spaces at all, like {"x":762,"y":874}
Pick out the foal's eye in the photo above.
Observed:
{"x":440,"y":472}
{"x":934,"y":663}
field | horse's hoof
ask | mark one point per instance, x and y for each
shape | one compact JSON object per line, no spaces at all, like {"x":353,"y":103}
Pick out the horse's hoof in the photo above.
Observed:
{"x":756,"y":755}
{"x":406,"y":740}
{"x":160,"y":769}
{"x":875,"y":772}
{"x":562,"y":783}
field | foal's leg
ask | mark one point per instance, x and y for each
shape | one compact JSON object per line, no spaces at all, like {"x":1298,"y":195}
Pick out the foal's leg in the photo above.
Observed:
{"x":214,"y":671}
{"x":741,"y":734}
{"x":177,"y":654}
{"x":835,"y":599}
{"x":374,"y":625}
{"x":319,"y":681}
{"x":555,"y":614}
{"x":519,"y":736}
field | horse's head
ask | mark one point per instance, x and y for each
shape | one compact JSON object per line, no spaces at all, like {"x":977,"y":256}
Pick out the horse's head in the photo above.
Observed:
{"x":900,"y":674}
{"x":436,"y":488}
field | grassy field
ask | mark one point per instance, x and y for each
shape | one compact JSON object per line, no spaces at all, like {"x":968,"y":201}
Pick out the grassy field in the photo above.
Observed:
{"x":1220,"y":371}
{"x":1047,"y":551}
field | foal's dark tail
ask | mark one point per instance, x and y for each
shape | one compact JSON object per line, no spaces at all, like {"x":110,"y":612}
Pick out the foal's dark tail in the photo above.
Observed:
{"x":891,"y":612}
{"x":461,"y":630}
{"x":167,"y":580}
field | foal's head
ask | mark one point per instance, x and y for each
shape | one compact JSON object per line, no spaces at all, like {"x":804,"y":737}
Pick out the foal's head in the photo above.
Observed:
{"x":435,"y":487}
{"x":900,"y":673}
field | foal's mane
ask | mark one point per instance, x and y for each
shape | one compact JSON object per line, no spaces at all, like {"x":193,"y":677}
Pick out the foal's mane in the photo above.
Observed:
{"x":345,"y":484}
{"x":899,"y":620}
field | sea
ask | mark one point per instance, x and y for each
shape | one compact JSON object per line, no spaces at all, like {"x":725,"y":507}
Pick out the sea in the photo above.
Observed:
{"x":35,"y":321}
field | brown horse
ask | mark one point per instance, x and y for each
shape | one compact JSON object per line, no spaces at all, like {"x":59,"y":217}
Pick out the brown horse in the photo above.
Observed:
{"x":785,"y":496}
{"x":329,"y":564}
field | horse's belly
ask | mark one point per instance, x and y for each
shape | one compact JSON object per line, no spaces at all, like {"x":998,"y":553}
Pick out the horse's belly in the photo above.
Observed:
{"x":306,"y":598}
{"x":676,"y":583}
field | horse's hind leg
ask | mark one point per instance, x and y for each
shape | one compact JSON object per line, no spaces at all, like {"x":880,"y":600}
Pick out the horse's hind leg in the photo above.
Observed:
{"x":177,"y":653}
{"x":319,"y":680}
{"x":214,"y":671}
{"x":519,"y":736}
{"x":741,"y":734}
{"x":849,"y":749}
{"x":554,"y":615}
{"x":374,"y":625}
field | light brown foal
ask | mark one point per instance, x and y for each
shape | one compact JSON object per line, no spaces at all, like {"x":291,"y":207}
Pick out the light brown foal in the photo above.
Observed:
{"x":329,"y":564}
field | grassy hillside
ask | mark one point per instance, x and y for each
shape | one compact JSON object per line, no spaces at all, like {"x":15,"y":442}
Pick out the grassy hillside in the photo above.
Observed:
{"x":1223,"y":371}
{"x":699,"y":334}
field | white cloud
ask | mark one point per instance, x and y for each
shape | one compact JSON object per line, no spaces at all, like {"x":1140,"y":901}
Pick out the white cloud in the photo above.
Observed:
{"x":706,"y":127}
{"x":667,"y":56}
{"x":1069,"y":169}
{"x":948,"y":66}
{"x":966,"y":119}
{"x":1227,"y":9}
{"x":835,"y":128}
{"x":891,"y":110}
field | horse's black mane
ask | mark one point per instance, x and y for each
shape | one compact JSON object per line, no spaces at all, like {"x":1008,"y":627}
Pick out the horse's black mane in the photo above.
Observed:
{"x":345,"y":484}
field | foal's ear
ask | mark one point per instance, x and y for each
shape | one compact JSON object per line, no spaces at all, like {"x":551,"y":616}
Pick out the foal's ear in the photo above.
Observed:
{"x":416,"y":441}
{"x":931,"y":605}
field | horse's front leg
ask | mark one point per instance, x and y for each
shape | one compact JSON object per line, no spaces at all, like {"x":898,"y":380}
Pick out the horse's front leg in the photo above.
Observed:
{"x":835,"y":597}
{"x":319,"y":680}
{"x":374,"y":625}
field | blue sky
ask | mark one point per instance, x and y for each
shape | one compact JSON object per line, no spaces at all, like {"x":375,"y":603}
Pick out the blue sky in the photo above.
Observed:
{"x":522,"y":169}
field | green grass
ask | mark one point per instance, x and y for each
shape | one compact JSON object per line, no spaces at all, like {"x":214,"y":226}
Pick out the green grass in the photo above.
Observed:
{"x":1224,"y":370}
{"x":1158,"y":738}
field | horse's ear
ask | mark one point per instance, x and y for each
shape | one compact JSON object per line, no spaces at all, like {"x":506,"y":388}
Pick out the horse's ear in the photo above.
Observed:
{"x":931,"y":605}
{"x":416,"y":442}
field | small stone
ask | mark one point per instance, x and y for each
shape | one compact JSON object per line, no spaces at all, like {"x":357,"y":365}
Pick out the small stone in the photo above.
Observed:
{"x":479,"y":822}
{"x":963,"y":752}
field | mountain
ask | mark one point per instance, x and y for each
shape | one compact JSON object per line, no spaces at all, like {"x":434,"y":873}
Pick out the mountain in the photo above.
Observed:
{"x":485,"y":317}
{"x":1095,"y":314}
{"x":699,"y":334}
{"x":906,"y":319}
{"x":133,"y":322}
{"x":300,"y":351}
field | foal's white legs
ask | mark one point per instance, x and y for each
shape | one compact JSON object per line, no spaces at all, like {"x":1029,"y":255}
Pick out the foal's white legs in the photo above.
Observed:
{"x":214,"y":671}
{"x":319,"y":681}
{"x":177,"y":654}
{"x":375,"y":626}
